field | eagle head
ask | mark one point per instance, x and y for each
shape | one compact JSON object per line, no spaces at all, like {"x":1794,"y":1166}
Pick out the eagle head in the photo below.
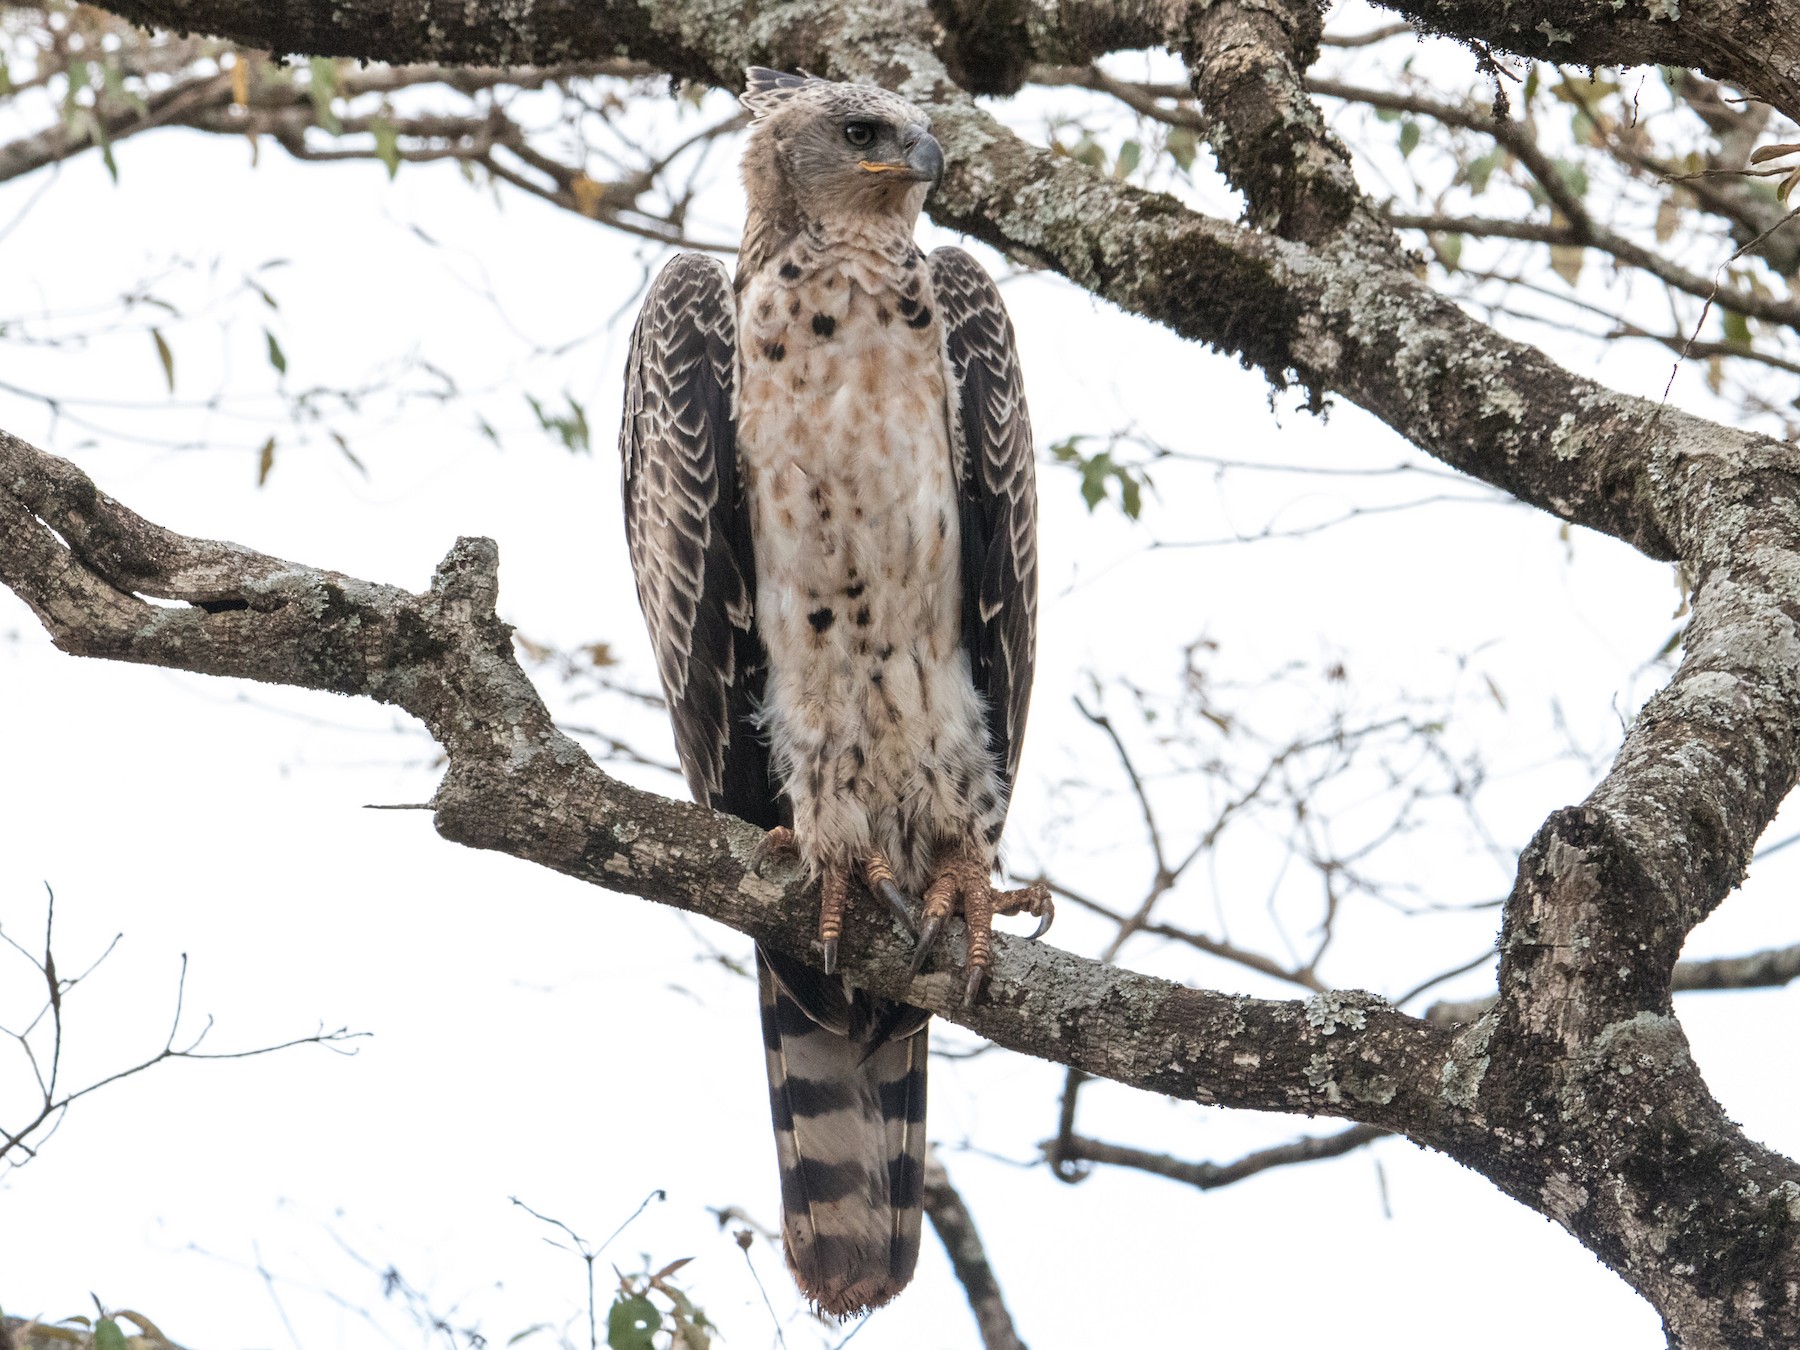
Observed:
{"x":818,"y":148}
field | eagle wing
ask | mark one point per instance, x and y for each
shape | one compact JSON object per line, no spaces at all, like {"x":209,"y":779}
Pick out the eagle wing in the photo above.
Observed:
{"x":997,"y":486}
{"x":688,"y":529}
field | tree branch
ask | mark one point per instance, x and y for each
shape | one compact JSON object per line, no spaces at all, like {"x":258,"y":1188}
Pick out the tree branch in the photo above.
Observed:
{"x":516,"y":784}
{"x":1576,"y":1094}
{"x":1746,"y":43}
{"x":968,"y":1258}
{"x":1490,"y":1095}
{"x":1771,"y":969}
{"x":1209,"y":1176}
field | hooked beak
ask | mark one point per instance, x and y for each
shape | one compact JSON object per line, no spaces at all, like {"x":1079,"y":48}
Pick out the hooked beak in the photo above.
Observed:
{"x":925,"y":157}
{"x":924,"y":162}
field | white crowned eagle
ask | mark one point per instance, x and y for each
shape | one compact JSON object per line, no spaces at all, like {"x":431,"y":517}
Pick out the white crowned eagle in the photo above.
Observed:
{"x":832,"y":517}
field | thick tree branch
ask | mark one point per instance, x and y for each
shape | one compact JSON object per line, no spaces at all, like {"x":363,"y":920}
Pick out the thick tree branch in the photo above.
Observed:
{"x":285,"y":111}
{"x":1328,"y":316}
{"x":514,"y":783}
{"x":1576,"y":1095}
{"x":1247,"y":60}
{"x":1752,"y":44}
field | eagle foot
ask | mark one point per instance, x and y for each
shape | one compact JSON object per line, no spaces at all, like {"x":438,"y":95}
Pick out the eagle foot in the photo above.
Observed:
{"x":965,"y":879}
{"x":880,"y":876}
{"x":834,"y":895}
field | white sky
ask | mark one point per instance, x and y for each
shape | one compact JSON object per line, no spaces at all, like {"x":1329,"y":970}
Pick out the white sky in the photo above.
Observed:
{"x":536,"y":1038}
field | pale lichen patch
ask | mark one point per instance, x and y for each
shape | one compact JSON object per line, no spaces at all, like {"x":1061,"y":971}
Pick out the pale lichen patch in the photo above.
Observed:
{"x":1341,"y":1008}
{"x":1467,"y":1065}
{"x":1563,"y":1198}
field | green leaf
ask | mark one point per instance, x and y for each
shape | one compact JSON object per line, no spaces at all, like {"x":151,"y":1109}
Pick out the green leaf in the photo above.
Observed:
{"x":107,"y":1335}
{"x":1088,"y":151}
{"x":1574,"y":174}
{"x":1531,"y":84}
{"x":1409,"y":137}
{"x":164,"y":355}
{"x":1478,"y":170}
{"x":1449,"y":251}
{"x":322,"y":87}
{"x":387,"y":144}
{"x":1094,"y":474}
{"x":265,"y":461}
{"x":1131,"y":496}
{"x":277,"y":357}
{"x":1737,"y":327}
{"x":632,"y":1323}
{"x":1129,"y":155}
{"x":571,"y":428}
{"x":1097,"y":471}
{"x":1182,"y":146}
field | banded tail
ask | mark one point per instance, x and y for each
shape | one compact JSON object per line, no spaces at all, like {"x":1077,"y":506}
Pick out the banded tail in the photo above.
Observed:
{"x":847,"y":1092}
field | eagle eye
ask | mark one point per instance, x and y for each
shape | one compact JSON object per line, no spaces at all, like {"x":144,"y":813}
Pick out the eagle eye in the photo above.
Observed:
{"x":860,"y":134}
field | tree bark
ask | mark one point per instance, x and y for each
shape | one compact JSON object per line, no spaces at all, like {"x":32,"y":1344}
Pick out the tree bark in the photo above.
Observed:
{"x":1570,"y":1094}
{"x":1575,"y":1092}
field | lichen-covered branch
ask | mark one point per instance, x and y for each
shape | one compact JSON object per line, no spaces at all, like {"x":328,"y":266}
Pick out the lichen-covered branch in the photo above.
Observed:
{"x":1747,"y":43}
{"x":1575,"y":1094}
{"x":1344,"y":316}
{"x":514,"y":783}
{"x":1247,"y":60}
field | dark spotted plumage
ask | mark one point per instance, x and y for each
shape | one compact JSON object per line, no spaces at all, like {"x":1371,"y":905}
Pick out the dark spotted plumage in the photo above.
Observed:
{"x":991,"y":435}
{"x":706,"y":412}
{"x":689,"y":533}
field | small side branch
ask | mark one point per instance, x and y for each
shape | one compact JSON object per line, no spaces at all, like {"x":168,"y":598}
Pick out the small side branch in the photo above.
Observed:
{"x":1210,"y":1176}
{"x":968,"y":1258}
{"x":1771,"y":969}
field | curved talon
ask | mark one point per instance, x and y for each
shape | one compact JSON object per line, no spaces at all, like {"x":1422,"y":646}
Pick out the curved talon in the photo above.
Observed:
{"x":776,"y":842}
{"x":831,"y":956}
{"x":972,"y":986}
{"x":927,"y":936}
{"x":1044,"y":921}
{"x":896,"y":901}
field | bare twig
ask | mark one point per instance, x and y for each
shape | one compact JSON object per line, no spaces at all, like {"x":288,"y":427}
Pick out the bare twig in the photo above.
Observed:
{"x":1210,"y":1176}
{"x":1770,"y":969}
{"x":17,"y":1143}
